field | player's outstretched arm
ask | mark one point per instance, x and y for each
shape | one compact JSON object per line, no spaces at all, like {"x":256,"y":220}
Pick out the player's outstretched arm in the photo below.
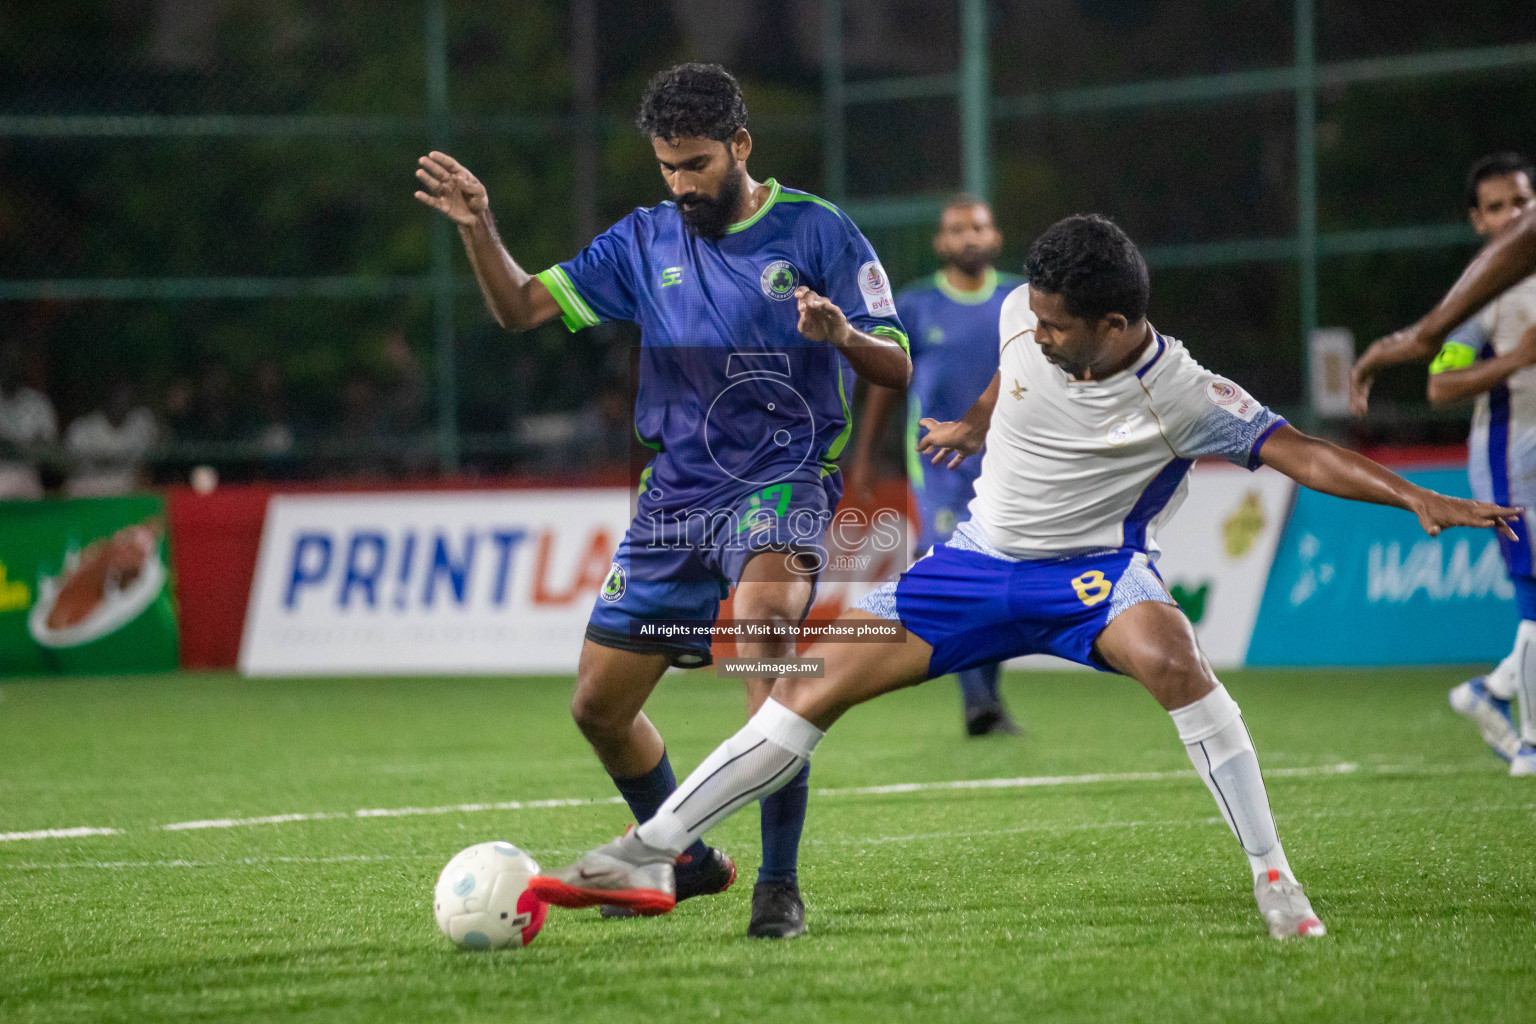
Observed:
{"x":962,"y":438}
{"x":1449,"y":386}
{"x":1504,"y":263}
{"x":516,"y":298}
{"x":1315,"y":463}
{"x":877,"y":359}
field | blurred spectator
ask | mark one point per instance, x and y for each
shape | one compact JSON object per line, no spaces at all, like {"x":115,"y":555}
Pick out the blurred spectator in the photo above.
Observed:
{"x":403,"y":407}
{"x":204,"y":411}
{"x":362,"y":430}
{"x":109,"y":448}
{"x":27,"y":421}
{"x":405,"y":395}
{"x":180,"y":405}
{"x":271,"y":427}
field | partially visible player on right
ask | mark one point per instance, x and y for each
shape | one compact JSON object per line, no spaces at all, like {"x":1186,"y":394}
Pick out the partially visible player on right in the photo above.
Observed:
{"x":1491,"y":359}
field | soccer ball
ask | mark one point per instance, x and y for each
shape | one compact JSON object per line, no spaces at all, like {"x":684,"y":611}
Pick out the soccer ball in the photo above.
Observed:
{"x":482,"y":899}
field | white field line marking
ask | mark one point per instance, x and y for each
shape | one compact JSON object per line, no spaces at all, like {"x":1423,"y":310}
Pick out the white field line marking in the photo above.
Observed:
{"x":251,"y":861}
{"x":1058,"y":828}
{"x":1023,"y":782}
{"x":388,"y":812}
{"x":59,"y":833}
{"x":1089,"y":826}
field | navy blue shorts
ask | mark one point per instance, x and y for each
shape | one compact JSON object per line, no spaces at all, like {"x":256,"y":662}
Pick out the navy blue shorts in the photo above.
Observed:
{"x":974,"y":608}
{"x":673,"y":567}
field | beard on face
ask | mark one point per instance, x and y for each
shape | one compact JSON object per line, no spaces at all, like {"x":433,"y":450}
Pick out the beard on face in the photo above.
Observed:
{"x":972,"y":259}
{"x":708,"y":217}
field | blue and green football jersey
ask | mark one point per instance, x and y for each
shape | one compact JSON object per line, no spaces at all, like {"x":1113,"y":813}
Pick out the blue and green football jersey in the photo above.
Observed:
{"x":731,"y":395}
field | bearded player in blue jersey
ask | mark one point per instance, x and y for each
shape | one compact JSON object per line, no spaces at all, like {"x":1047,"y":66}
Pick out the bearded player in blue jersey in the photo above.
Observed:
{"x":952,"y":318}
{"x":756,"y":304}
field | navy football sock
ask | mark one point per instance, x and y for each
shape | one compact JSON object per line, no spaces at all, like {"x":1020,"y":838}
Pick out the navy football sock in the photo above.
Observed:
{"x":783,"y":818}
{"x":979,"y":686}
{"x":646,"y":793}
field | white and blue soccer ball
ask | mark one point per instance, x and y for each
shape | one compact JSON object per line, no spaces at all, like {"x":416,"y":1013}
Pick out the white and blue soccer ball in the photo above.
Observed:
{"x":482,"y":899}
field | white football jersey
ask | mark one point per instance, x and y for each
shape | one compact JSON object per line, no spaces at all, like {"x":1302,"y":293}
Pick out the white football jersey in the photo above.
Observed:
{"x":1502,"y":443}
{"x":1077,"y":465}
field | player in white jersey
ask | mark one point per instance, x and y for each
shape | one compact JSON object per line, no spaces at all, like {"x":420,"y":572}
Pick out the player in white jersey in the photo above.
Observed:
{"x":1094,"y":420}
{"x":1492,"y":360}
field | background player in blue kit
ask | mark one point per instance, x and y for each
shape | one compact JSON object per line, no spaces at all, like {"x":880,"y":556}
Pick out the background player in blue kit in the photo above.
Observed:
{"x":756,"y":305}
{"x":952,"y":320}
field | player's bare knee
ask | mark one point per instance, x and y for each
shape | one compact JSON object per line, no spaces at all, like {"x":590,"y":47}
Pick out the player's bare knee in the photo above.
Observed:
{"x":1174,"y":676}
{"x":599,"y":721}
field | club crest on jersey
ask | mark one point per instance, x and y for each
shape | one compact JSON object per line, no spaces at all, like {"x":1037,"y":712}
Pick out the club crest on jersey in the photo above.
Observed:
{"x":1119,"y":432}
{"x":779,"y":280}
{"x":876,"y":289}
{"x":1230,"y":398}
{"x":613,"y":586}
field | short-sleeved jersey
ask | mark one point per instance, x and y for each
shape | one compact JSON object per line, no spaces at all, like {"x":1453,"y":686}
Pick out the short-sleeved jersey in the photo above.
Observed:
{"x":954,"y":353}
{"x":1073,"y":466}
{"x":731,"y":395}
{"x":1501,"y":447}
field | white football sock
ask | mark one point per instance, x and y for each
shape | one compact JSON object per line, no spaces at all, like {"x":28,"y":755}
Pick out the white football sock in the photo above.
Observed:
{"x":1222,"y":752}
{"x":1525,"y":687}
{"x":766,"y":754}
{"x":1503,"y":680}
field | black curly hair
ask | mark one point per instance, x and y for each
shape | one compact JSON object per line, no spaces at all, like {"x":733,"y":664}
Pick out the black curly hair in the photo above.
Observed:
{"x":1093,"y":266}
{"x":1496,"y":165}
{"x":692,"y":101}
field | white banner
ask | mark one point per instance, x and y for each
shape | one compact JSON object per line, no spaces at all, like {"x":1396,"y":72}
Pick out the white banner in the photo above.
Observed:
{"x":1217,"y":550}
{"x":468,"y":582}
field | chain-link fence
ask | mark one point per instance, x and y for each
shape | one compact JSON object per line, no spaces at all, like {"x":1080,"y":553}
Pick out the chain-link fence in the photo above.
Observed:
{"x":208,"y":210}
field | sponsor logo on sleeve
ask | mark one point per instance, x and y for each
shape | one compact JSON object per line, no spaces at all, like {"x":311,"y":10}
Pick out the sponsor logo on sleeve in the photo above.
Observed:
{"x":876,"y":289}
{"x":1232,"y":399}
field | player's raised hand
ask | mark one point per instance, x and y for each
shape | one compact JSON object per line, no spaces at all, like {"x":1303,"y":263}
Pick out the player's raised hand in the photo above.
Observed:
{"x":1359,"y":388}
{"x":820,"y":317}
{"x":955,"y":439}
{"x":449,"y":188}
{"x":1440,"y":512}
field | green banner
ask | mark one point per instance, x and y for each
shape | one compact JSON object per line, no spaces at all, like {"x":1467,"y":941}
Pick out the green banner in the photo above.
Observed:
{"x":85,"y":587}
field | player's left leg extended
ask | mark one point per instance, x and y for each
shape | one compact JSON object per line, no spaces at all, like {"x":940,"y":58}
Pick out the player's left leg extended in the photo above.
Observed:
{"x":777,"y":589}
{"x":1154,"y":644}
{"x":770,"y":750}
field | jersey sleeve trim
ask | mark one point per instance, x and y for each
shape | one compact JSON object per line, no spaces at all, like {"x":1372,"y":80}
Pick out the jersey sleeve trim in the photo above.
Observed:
{"x":573,"y":308}
{"x":806,"y":197}
{"x":1254,"y":458}
{"x":898,"y":337}
{"x":1453,"y":355}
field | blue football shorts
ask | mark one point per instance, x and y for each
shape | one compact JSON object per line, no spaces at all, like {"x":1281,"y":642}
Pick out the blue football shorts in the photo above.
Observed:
{"x":975,"y":605}
{"x":673,"y":567}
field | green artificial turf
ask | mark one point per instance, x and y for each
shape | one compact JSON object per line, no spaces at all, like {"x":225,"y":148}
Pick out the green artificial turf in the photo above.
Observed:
{"x":1111,"y":900}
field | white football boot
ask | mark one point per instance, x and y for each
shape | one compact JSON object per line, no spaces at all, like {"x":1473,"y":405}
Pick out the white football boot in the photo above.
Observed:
{"x":1490,"y":715}
{"x":1524,"y":761}
{"x":623,"y":873}
{"x":1285,"y":907}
